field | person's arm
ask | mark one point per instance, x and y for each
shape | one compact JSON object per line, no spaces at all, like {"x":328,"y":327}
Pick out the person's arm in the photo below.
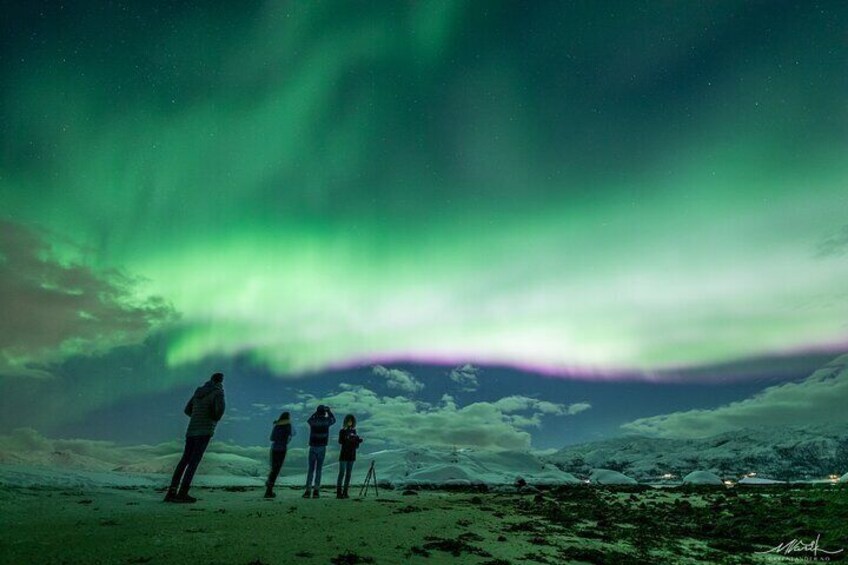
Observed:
{"x":218,"y":406}
{"x":341,"y":437}
{"x":332,"y":418}
{"x":189,"y":407}
{"x":291,"y":435}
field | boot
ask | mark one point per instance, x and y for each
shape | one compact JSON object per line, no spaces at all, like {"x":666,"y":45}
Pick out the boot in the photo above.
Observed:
{"x":339,"y":492}
{"x":269,"y":492}
{"x":315,"y":493}
{"x":183,"y":497}
{"x":171,"y":495}
{"x":308,"y":493}
{"x":344,"y":493}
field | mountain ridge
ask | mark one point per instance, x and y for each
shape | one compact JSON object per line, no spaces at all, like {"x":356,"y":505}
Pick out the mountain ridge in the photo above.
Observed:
{"x":784,"y":453}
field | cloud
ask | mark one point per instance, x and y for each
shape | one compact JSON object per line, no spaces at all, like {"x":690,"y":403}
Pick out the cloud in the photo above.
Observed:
{"x":818,"y":399}
{"x":466,"y":377}
{"x":53,"y":309}
{"x":578,"y":407}
{"x":391,"y":421}
{"x":516,"y":402}
{"x":399,"y":380}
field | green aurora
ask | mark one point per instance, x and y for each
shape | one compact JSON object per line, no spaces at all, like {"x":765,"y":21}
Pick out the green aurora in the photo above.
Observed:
{"x":552,"y":186}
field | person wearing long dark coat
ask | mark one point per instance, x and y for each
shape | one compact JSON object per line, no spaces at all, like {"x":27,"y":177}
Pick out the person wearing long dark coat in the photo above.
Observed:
{"x":349,"y":441}
{"x":281,"y":435}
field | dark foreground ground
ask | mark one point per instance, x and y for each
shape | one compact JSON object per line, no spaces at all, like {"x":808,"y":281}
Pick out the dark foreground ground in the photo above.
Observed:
{"x":560,"y":525}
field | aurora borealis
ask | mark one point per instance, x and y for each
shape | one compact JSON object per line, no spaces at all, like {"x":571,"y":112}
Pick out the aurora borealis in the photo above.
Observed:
{"x":574,"y":188}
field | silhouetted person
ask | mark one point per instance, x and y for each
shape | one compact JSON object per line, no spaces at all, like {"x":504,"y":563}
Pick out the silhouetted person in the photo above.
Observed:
{"x":347,"y":455}
{"x":206,"y":407}
{"x":281,"y":435}
{"x":319,"y":434}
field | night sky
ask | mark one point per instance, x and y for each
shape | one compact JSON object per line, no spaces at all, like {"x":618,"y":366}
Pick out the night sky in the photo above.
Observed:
{"x":609,"y":194}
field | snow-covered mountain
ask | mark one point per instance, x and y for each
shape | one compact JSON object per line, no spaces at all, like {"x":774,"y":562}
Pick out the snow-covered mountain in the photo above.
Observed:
{"x":785,"y":453}
{"x":464,"y":466}
{"x":29,"y":458}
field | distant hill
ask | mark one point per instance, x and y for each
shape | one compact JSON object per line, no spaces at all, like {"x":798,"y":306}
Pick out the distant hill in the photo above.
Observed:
{"x":786,"y":453}
{"x":464,"y":466}
{"x":27,"y":457}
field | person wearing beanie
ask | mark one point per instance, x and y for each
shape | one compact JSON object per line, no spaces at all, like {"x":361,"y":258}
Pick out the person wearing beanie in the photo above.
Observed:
{"x":205,"y":408}
{"x":319,"y":434}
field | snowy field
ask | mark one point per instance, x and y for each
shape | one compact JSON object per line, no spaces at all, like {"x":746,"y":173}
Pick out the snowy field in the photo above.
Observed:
{"x":77,"y":501}
{"x":567,"y":524}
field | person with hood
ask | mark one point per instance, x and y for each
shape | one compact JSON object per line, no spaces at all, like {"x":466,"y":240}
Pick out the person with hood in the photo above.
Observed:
{"x":281,"y":435}
{"x":349,"y":441}
{"x":319,"y":434}
{"x":205,"y":408}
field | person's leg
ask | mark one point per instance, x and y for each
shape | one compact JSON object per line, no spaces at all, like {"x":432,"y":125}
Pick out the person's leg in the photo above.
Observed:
{"x":311,"y":472}
{"x":181,"y":465}
{"x":196,"y":454}
{"x":339,"y":481}
{"x":348,"y":473}
{"x":277,"y":458}
{"x":320,"y":452}
{"x":180,"y":469}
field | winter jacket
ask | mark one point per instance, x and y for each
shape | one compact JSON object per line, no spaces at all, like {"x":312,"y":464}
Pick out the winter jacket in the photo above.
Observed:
{"x":205,"y":408}
{"x":319,"y":429}
{"x":350,"y":443}
{"x":281,"y":435}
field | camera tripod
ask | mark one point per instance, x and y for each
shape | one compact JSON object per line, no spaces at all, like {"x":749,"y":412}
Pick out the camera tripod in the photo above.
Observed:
{"x":370,"y":481}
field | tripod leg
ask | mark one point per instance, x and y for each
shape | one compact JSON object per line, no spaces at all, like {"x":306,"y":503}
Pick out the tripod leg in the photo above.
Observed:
{"x":368,"y":484}
{"x":364,"y":488}
{"x":376,"y":489}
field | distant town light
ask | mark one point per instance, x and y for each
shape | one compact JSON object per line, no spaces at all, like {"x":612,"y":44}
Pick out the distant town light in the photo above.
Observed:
{"x":667,"y":476}
{"x":833,"y":478}
{"x":750,"y":474}
{"x":728,"y":483}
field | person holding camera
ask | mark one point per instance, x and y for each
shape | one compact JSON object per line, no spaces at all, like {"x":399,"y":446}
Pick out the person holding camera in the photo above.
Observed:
{"x":349,"y":441}
{"x":319,"y":434}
